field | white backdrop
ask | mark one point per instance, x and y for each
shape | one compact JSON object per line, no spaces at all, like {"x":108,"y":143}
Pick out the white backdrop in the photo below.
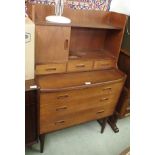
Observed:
{"x":120,"y":6}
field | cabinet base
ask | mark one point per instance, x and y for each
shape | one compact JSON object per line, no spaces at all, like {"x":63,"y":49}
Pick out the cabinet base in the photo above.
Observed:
{"x":112,"y":122}
{"x":102,"y":122}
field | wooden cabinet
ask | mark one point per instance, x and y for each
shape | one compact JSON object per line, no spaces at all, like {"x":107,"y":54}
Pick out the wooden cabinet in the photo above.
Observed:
{"x":31,"y":114}
{"x":76,"y":67}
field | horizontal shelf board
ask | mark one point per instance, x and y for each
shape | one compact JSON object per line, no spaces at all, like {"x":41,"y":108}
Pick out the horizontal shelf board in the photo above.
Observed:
{"x":96,"y":26}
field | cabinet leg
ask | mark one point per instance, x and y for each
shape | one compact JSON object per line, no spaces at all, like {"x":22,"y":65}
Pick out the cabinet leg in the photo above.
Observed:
{"x":102,"y":122}
{"x":42,"y":139}
{"x":112,"y":122}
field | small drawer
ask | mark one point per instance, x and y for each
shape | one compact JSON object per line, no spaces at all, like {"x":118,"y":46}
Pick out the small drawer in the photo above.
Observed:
{"x":104,"y":64}
{"x":50,"y":68}
{"x":78,"y":65}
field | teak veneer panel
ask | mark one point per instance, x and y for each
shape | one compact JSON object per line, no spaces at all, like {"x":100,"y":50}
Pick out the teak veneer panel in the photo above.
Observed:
{"x":87,"y":39}
{"x":52,"y":44}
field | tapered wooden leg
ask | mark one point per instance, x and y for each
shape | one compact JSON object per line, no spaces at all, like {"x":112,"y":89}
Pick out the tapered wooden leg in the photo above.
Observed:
{"x":102,"y":122}
{"x":112,"y":120}
{"x":42,"y":139}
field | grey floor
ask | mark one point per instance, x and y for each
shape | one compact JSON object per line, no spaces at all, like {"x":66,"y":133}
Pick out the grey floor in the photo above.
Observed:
{"x":86,"y":139}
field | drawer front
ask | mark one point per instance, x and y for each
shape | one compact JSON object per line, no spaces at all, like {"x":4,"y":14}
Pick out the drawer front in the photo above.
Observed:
{"x":78,"y":65}
{"x":50,"y":68}
{"x":73,"y":119}
{"x":74,"y":106}
{"x":59,"y":98}
{"x":104,"y":64}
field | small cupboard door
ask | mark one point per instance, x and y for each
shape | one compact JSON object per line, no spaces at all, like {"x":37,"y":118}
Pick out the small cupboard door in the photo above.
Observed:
{"x":52,"y":44}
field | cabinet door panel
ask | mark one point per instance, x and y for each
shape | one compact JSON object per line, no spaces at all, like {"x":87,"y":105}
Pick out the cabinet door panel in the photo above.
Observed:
{"x":52,"y":44}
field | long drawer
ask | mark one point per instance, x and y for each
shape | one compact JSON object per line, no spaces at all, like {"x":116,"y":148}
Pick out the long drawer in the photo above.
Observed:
{"x":54,"y":111}
{"x":74,"y":118}
{"x":62,"y":97}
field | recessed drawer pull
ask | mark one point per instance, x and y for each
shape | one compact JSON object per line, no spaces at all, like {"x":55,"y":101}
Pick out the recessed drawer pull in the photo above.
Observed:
{"x":62,"y":96}
{"x":80,"y":65}
{"x":104,"y":99}
{"x":60,"y":122}
{"x":66,"y":44}
{"x":108,"y":88}
{"x":99,"y":112}
{"x":50,"y":69}
{"x":61,"y":108}
{"x":107,"y":64}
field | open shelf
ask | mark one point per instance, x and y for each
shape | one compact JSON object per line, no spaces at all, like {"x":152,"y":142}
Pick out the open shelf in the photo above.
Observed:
{"x":96,"y":26}
{"x":93,"y":55}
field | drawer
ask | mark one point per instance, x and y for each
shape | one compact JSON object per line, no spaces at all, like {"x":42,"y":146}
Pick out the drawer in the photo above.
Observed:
{"x":104,"y":64}
{"x":74,"y":106}
{"x":50,"y":68}
{"x":65,"y":97}
{"x":79,"y":65}
{"x":48,"y":125}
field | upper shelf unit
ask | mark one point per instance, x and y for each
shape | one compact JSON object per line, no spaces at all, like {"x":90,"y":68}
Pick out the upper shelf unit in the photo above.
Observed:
{"x":79,"y":18}
{"x":91,"y":42}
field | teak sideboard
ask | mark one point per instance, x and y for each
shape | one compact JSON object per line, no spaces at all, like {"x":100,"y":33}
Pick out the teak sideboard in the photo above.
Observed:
{"x":76,"y":67}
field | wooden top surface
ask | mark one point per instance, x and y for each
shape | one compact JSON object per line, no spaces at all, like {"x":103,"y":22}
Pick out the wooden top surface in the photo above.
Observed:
{"x":74,"y":24}
{"x":57,"y":82}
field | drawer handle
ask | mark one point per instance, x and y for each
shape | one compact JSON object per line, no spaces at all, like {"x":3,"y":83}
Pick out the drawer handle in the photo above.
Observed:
{"x":80,"y":65}
{"x":61,"y":108}
{"x":104,"y":99}
{"x":62,"y":96}
{"x":50,"y":69}
{"x":60,"y":122}
{"x":66,"y":44}
{"x":99,"y":112}
{"x":106,"y":64}
{"x":108,"y":88}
